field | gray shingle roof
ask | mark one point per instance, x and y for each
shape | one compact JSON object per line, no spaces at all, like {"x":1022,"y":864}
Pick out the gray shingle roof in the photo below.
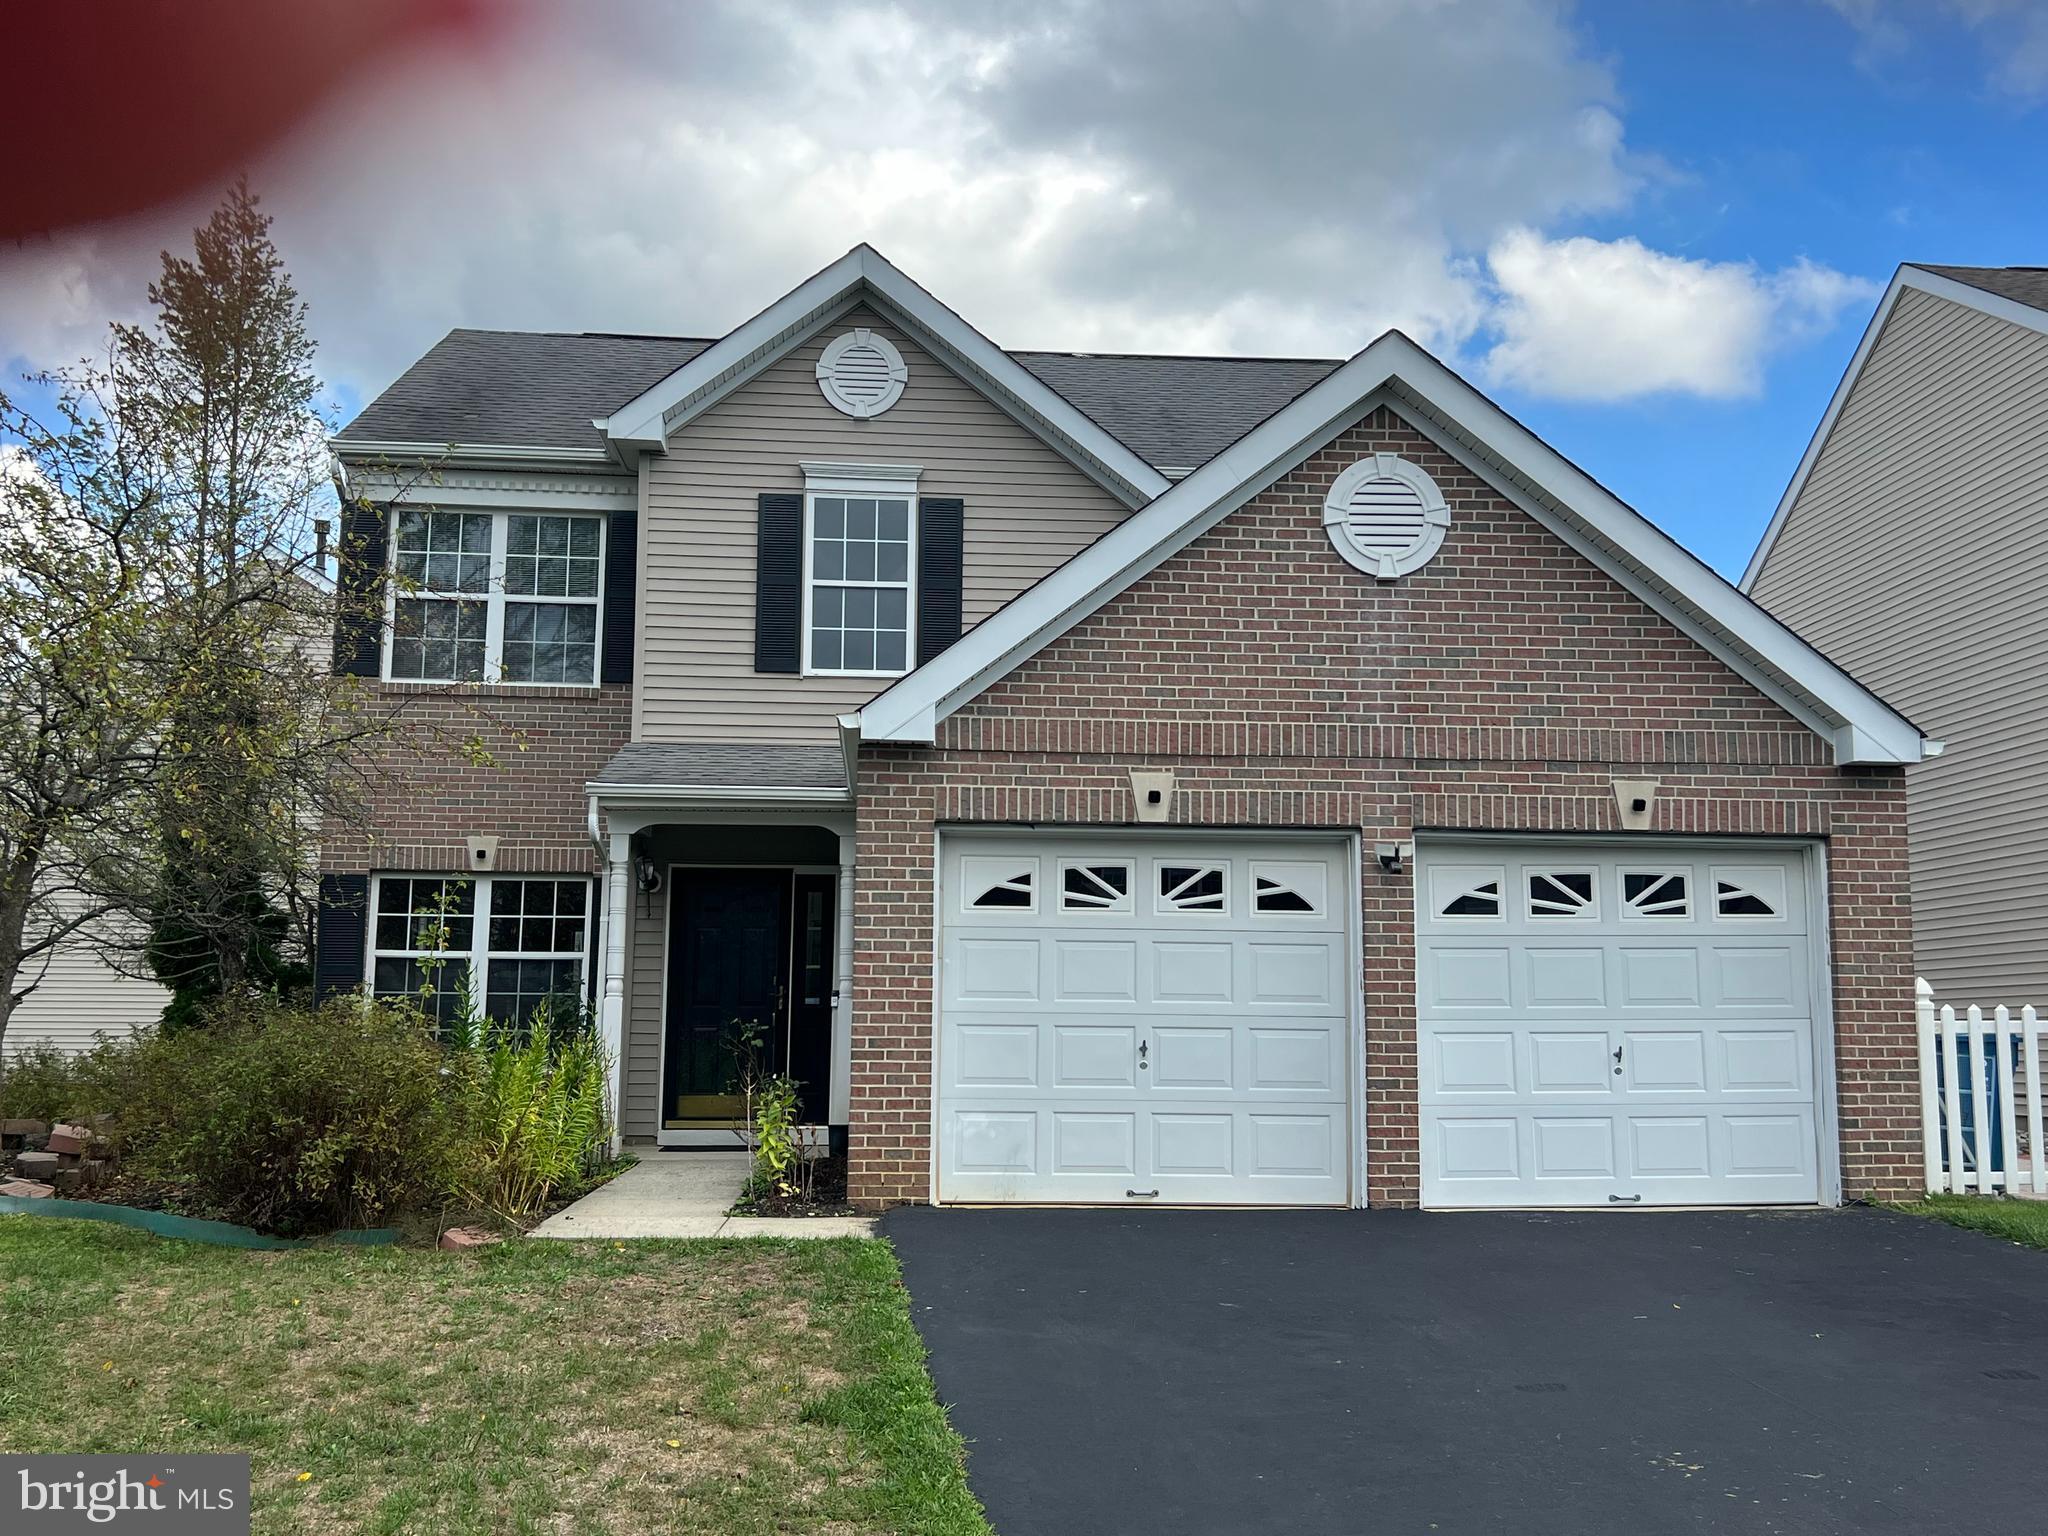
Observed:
{"x":724,"y":765}
{"x":541,"y":389}
{"x":2023,"y":285}
{"x":1177,"y":411}
{"x":533,"y":388}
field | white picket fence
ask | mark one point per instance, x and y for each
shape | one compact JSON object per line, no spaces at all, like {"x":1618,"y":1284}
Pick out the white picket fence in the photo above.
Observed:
{"x":1958,"y":1051}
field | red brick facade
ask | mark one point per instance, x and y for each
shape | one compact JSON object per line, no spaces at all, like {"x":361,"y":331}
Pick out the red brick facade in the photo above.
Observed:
{"x":1501,"y":687}
{"x":539,"y":746}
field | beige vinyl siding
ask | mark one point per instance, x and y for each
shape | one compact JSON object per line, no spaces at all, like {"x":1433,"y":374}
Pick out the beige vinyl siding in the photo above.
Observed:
{"x":1916,"y":556}
{"x":80,"y":998}
{"x":1028,"y":510}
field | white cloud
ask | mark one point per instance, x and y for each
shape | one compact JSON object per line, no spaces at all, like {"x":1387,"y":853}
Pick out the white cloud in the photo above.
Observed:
{"x":1175,"y":175}
{"x":1596,"y":320}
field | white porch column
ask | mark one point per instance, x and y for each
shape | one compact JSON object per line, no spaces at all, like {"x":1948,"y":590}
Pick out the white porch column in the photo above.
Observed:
{"x":839,"y":1100}
{"x":611,"y":1017}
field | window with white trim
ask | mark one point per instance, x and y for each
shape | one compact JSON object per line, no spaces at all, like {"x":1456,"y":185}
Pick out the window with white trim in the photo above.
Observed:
{"x":494,"y":597}
{"x":859,"y":551}
{"x":1087,"y":886}
{"x":1563,"y":893}
{"x":1194,"y":888}
{"x":427,"y":944}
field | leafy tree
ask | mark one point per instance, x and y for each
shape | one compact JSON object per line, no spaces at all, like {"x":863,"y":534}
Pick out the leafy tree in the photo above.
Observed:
{"x":171,"y":732}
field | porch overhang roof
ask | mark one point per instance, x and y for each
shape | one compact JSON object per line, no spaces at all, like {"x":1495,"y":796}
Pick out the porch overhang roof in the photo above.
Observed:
{"x":723,"y":774}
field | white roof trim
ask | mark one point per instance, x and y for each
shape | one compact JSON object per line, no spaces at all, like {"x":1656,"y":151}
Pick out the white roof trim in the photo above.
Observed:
{"x":357,"y":448}
{"x":715,"y":794}
{"x":1862,"y":727}
{"x":1907,"y":277}
{"x":863,"y":272}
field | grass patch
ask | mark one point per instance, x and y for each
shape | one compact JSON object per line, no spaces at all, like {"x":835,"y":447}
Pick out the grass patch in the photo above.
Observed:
{"x":731,"y":1387}
{"x":2017,"y":1221}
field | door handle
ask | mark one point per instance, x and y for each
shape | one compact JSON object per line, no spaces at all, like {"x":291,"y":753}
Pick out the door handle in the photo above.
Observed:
{"x":1143,"y":1046}
{"x":1617,"y":1061}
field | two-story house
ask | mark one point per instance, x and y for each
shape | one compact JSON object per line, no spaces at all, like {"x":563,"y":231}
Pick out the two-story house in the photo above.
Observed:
{"x":1123,"y":779}
{"x":1910,"y":546}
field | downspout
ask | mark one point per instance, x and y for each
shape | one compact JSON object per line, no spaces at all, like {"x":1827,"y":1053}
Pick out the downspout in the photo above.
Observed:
{"x":840,"y":1111}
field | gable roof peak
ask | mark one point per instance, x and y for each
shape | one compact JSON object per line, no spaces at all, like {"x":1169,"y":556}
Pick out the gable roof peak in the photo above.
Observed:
{"x":864,"y":274}
{"x":1394,"y":370}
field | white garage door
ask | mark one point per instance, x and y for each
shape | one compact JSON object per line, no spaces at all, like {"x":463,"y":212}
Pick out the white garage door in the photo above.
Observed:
{"x":1614,"y":1027}
{"x":1132,"y":1020}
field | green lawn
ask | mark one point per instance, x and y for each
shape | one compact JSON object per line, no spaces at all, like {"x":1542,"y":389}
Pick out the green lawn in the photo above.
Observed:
{"x":726,"y":1387}
{"x":2017,"y":1221}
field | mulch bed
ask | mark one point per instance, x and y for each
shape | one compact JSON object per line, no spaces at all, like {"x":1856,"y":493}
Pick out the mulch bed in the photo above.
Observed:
{"x":827,"y":1195}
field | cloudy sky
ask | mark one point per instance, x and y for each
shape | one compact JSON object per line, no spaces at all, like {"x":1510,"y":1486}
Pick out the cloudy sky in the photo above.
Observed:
{"x":1653,"y":232}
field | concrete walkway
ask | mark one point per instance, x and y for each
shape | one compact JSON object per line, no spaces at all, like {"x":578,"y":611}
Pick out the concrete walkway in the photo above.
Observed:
{"x":685,"y":1194}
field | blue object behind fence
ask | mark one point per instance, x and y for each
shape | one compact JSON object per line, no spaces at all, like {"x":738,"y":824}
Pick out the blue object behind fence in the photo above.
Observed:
{"x":1974,"y":1085}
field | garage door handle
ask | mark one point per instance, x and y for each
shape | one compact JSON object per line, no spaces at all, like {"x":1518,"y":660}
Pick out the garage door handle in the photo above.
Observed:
{"x":1142,"y":1194}
{"x":1624,"y":1199}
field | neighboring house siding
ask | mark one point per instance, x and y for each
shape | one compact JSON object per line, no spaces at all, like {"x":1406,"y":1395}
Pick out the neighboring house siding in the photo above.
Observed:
{"x":1915,"y":556}
{"x":80,"y":998}
{"x":1502,"y":687}
{"x":1028,"y":510}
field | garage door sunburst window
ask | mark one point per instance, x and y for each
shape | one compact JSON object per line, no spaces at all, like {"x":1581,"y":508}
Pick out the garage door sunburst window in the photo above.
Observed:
{"x":1562,"y":893}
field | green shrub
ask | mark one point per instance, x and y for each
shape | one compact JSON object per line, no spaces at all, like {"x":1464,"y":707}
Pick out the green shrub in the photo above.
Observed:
{"x":39,"y":1083}
{"x":536,"y":1113}
{"x":43,"y":1083}
{"x":780,"y":1165}
{"x":293,"y":1120}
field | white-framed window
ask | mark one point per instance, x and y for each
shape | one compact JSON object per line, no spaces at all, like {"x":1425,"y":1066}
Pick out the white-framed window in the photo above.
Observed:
{"x":993,"y":884}
{"x":860,"y":551}
{"x":1095,"y":885}
{"x":1562,"y":893}
{"x":495,"y":597}
{"x":512,"y":940}
{"x":1656,"y":893}
{"x":1285,"y":888}
{"x":1192,"y":886}
{"x":1468,"y":892}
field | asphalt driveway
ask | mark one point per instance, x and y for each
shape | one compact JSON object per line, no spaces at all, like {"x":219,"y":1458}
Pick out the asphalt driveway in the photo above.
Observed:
{"x":1391,"y":1372}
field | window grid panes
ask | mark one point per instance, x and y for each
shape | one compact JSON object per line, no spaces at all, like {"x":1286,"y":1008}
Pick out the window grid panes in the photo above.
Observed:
{"x":536,"y":623}
{"x":860,"y":584}
{"x":530,"y":945}
{"x":1192,"y":888}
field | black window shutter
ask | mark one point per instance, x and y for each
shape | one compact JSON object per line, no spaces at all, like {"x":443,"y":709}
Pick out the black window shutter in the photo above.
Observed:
{"x":941,"y":530}
{"x":359,"y":585}
{"x":339,"y":937}
{"x":779,"y":584}
{"x":622,"y":544}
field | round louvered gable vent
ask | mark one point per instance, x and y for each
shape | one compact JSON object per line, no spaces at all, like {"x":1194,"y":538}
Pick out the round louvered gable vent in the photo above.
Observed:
{"x":861,"y":373}
{"x":1386,"y":516}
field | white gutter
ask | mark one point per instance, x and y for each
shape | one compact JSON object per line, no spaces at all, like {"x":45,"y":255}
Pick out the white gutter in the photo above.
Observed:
{"x":809,"y":793}
{"x":500,"y":453}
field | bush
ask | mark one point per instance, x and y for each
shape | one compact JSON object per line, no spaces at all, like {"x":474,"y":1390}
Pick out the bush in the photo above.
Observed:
{"x":293,"y":1120}
{"x":536,"y":1112}
{"x":43,"y":1083}
{"x":39,"y":1083}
